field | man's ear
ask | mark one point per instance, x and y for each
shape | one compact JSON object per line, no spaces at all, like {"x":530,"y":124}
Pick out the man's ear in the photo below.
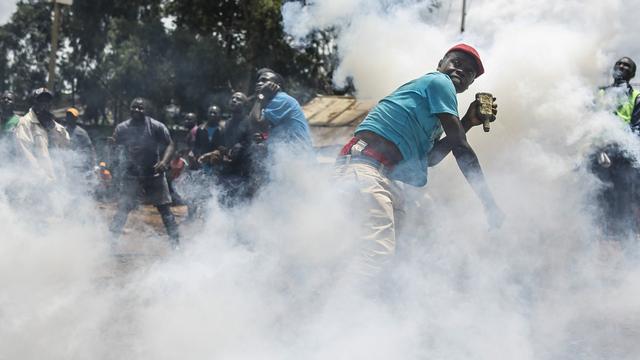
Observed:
{"x":440,"y":64}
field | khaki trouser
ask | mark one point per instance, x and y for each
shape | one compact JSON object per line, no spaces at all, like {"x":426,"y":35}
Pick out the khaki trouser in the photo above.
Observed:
{"x":383,"y":202}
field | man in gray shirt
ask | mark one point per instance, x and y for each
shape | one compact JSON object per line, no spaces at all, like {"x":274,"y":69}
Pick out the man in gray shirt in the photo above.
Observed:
{"x":148,"y":148}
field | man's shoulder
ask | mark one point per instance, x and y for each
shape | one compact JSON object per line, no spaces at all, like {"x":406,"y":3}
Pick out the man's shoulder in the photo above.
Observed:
{"x":22,"y":122}
{"x":156,"y":124}
{"x":430,"y":82}
{"x":123,"y":125}
{"x":59,"y":128}
{"x":81,"y":131}
{"x":438,"y":78}
{"x":199,"y":130}
{"x":26,"y":122}
{"x":25,"y":119}
{"x":286,"y":98}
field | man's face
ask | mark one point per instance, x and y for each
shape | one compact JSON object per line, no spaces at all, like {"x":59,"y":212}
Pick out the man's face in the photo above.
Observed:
{"x":6,"y":102}
{"x":137,"y":110}
{"x":190,"y":120}
{"x":213,"y":114}
{"x":623,"y":69}
{"x":42,"y":104}
{"x":461,"y":68}
{"x":71,"y":120}
{"x":237,"y":101}
{"x":265,"y":78}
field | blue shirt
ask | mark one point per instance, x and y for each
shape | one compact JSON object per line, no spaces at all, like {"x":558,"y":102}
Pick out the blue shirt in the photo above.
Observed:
{"x":288,"y":123}
{"x":408,"y":119}
{"x":211,"y":130}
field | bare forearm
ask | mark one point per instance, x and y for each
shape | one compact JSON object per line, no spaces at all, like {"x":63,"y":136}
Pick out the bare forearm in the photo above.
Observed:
{"x":168,"y":152}
{"x":472,"y":171}
{"x":443,"y":147}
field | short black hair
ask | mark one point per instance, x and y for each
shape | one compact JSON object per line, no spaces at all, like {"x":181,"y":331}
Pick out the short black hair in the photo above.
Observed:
{"x":139,"y":100}
{"x":278,"y":78}
{"x":243,"y":95}
{"x":633,"y":65}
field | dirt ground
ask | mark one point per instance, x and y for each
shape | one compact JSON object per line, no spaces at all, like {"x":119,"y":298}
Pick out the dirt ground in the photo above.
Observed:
{"x":144,"y":240}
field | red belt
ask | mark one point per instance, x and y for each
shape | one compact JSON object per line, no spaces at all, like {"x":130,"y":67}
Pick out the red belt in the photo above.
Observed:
{"x":368,"y":152}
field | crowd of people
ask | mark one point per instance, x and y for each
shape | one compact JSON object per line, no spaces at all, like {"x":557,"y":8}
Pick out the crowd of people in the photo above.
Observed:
{"x":222,"y":154}
{"x":411,"y":129}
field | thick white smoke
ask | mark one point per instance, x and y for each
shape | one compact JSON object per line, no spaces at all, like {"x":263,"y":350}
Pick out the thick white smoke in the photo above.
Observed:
{"x":543,"y":286}
{"x":267,"y":280}
{"x":53,"y":266}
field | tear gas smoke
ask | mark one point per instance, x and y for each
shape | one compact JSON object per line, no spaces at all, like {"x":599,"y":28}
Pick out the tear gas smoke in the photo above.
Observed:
{"x":266,"y":280}
{"x":512,"y":294}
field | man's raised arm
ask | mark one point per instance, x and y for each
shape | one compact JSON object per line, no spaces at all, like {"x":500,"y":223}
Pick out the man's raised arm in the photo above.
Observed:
{"x":468,"y":163}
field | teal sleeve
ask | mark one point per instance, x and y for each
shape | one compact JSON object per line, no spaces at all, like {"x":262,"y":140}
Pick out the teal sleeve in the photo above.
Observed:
{"x":441,"y":96}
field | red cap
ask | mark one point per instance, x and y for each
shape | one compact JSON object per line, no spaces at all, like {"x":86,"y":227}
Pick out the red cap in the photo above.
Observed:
{"x":471,"y":51}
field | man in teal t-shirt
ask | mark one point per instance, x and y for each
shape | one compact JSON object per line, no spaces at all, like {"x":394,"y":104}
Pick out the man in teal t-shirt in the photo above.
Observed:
{"x":401,"y":137}
{"x":8,"y":119}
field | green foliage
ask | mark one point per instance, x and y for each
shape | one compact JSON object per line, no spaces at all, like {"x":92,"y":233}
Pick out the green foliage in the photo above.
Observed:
{"x":193,"y":51}
{"x":25,"y":46}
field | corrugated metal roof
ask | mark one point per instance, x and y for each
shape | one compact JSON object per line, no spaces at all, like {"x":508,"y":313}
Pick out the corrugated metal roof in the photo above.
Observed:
{"x":332,"y":119}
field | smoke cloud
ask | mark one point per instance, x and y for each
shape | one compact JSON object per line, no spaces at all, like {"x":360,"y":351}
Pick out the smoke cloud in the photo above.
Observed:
{"x":539,"y":288}
{"x":268,"y":280}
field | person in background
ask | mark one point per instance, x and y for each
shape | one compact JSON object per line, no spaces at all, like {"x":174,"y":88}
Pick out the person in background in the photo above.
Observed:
{"x":619,"y":199}
{"x":208,"y":136}
{"x":8,"y":119}
{"x":277,"y":115}
{"x":84,"y":152}
{"x":626,"y":99}
{"x":191,"y":123}
{"x":232,"y":158}
{"x":37,"y":133}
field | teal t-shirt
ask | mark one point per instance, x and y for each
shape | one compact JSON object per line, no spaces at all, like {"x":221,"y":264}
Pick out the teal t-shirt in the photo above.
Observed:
{"x":408,"y":119}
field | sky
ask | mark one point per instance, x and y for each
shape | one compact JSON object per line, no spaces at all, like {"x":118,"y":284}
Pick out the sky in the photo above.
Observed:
{"x":7,"y":7}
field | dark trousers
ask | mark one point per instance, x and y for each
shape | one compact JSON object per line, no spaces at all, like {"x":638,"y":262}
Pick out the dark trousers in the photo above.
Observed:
{"x":122,"y":213}
{"x":619,"y":199}
{"x":154,"y":190}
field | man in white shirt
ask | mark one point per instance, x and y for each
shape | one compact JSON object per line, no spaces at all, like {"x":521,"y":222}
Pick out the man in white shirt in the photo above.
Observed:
{"x":37,"y":132}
